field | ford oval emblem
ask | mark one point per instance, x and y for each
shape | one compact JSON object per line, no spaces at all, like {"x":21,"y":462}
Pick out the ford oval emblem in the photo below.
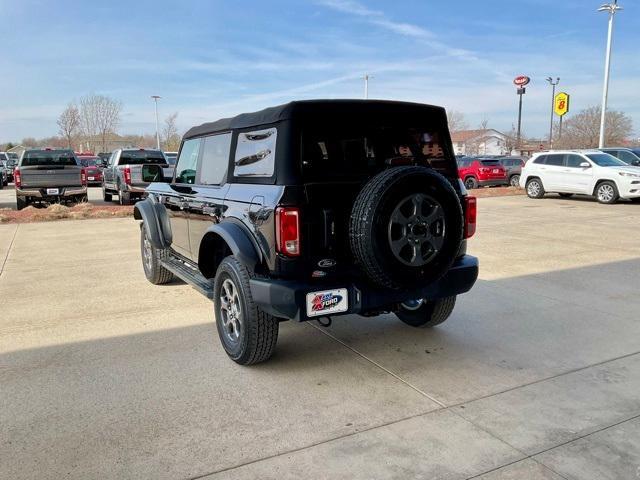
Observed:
{"x":327,"y":263}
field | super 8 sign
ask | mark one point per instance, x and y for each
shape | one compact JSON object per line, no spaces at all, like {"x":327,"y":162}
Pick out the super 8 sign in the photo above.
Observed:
{"x":561,"y":104}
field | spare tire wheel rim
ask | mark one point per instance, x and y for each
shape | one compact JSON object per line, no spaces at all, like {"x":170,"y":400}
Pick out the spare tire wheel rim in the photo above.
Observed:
{"x":413,"y":305}
{"x":416,"y":230}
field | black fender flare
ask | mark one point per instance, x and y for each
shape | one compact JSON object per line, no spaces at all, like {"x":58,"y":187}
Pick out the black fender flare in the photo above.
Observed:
{"x":156,"y":222}
{"x":237,"y":238}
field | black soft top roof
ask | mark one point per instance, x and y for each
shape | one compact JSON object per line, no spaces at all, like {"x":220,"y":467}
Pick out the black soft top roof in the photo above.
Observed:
{"x":327,"y":112}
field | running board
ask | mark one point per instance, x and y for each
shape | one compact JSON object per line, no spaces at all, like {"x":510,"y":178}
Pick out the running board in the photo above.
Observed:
{"x":189,"y":274}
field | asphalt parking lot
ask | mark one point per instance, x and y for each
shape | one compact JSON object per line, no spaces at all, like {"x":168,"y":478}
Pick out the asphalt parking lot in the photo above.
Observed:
{"x":535,"y":376}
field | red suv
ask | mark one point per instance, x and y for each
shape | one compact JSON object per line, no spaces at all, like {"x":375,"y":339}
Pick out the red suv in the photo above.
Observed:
{"x":480,"y":172}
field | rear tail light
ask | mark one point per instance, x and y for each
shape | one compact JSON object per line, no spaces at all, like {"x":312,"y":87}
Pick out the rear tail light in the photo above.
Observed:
{"x":288,"y":231}
{"x":17,"y":177}
{"x":127,"y":175}
{"x":83,"y":177}
{"x":470,"y":215}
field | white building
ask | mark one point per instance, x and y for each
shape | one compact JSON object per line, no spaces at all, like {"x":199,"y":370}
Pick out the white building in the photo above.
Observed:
{"x":480,"y":142}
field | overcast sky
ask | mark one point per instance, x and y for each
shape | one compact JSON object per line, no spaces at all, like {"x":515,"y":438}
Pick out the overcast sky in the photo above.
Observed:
{"x":209,"y":59}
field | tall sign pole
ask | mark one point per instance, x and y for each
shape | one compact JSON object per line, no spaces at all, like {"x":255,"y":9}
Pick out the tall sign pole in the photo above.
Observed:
{"x":520,"y":82}
{"x":612,"y":8}
{"x":553,"y":97}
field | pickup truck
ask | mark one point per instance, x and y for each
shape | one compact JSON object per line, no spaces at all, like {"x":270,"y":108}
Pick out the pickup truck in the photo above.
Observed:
{"x":47,"y":175}
{"x":129,"y":171}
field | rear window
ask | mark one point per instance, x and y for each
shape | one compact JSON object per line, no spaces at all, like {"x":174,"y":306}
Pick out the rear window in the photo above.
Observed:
{"x":139,"y":157}
{"x":490,"y":163}
{"x":3,"y":156}
{"x":90,"y":162}
{"x":346,"y":154}
{"x":57,"y":158}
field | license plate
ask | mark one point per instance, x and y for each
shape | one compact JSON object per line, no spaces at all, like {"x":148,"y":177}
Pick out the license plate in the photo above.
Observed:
{"x":327,"y":302}
{"x":92,"y":179}
{"x":52,"y":191}
{"x":496,"y":170}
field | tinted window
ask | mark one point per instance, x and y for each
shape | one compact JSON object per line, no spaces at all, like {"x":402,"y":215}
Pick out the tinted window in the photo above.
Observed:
{"x":48,"y":157}
{"x":187,"y":161}
{"x":3,"y":156}
{"x":555,"y":160}
{"x":627,"y":157}
{"x":490,"y":163}
{"x":255,"y":153}
{"x":139,"y":157}
{"x":574,"y":161}
{"x":542,"y":159}
{"x":215,"y":159}
{"x":605,"y":160}
{"x":465,"y":163}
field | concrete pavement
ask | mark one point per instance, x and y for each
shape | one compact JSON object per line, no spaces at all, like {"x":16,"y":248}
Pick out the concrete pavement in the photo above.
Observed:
{"x":536,"y":375}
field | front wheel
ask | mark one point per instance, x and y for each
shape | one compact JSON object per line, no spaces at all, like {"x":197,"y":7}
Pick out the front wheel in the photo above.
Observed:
{"x":535,"y":188}
{"x":426,"y":313}
{"x":607,"y":193}
{"x":247,"y":334}
{"x":151,"y":258}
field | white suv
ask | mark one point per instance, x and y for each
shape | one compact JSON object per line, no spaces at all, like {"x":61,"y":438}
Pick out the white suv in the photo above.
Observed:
{"x":588,"y":172}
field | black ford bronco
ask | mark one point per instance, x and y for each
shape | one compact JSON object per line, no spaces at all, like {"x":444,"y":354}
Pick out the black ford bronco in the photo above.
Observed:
{"x":310,"y":210}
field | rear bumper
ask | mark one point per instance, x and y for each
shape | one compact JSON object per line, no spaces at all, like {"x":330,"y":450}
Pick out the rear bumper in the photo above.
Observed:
{"x":65,"y":192}
{"x":493,"y":182}
{"x":135,"y":189}
{"x":287,"y":299}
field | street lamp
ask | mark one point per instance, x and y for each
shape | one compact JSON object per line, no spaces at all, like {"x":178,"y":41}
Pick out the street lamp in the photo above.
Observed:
{"x":156,"y":98}
{"x":553,"y":96}
{"x":612,"y":8}
{"x":366,"y":85}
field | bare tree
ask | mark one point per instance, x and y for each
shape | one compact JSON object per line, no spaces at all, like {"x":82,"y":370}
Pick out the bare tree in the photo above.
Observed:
{"x":473,"y":145}
{"x":511,"y":140}
{"x":457,"y":121}
{"x":583,"y":129}
{"x":100,"y":117}
{"x":170,"y":134}
{"x":69,"y":124}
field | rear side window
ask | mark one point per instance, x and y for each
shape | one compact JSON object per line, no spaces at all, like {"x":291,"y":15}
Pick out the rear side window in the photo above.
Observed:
{"x":52,"y":158}
{"x":139,"y":157}
{"x":555,"y":160}
{"x":574,"y":161}
{"x":187,"y":161}
{"x":255,"y":153}
{"x":541,"y":160}
{"x":490,"y":163}
{"x":215,"y":159}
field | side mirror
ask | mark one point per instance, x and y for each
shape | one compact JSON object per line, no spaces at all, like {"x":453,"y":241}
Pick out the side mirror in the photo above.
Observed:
{"x":636,"y":163}
{"x":585,"y":165}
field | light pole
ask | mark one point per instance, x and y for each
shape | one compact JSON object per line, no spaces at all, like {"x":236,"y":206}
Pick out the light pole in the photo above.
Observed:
{"x":553,"y":96}
{"x":366,"y":85}
{"x":156,"y":98}
{"x":612,"y":8}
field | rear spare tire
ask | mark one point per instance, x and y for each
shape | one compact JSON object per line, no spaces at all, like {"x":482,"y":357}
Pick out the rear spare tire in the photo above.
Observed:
{"x":406,"y":227}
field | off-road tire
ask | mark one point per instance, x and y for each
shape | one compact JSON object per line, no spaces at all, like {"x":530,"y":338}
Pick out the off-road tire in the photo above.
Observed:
{"x":370,"y":219}
{"x":107,"y":197}
{"x":21,"y":202}
{"x":611,"y":187}
{"x":532,"y":192}
{"x":470,"y":183}
{"x":259,"y":330}
{"x":430,"y":314}
{"x":153,"y":270}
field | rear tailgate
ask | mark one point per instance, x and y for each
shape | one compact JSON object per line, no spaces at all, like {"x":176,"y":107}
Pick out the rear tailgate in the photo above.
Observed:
{"x":492,"y":169}
{"x":51,"y":176}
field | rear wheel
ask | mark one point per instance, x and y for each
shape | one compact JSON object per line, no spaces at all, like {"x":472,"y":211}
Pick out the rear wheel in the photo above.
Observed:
{"x":514,"y":181}
{"x":470,"y":183}
{"x":151,"y":258}
{"x":247,"y":334}
{"x":535,"y":188}
{"x":106,"y":196}
{"x":21,"y":202}
{"x":124,"y":197}
{"x":426,"y":313}
{"x":607,"y":193}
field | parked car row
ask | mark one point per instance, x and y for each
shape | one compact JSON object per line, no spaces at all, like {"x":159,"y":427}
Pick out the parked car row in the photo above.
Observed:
{"x":585,"y":172}
{"x":489,"y":171}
